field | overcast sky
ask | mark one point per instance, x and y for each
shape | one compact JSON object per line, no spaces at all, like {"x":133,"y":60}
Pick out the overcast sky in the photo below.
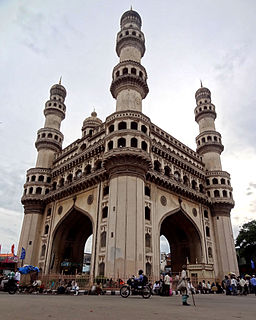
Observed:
{"x":186,"y":40}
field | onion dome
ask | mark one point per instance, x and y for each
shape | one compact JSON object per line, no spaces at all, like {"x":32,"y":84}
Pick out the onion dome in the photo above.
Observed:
{"x":91,"y":122}
{"x":202,"y":93}
{"x":58,"y":89}
{"x":131,"y":16}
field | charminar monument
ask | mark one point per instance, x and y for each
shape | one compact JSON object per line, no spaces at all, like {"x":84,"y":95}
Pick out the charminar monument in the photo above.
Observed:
{"x":127,"y":182}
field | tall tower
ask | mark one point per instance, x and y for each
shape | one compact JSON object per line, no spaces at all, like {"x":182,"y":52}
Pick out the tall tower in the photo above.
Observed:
{"x":38,"y":181}
{"x":126,"y":158}
{"x":219,"y":190}
{"x":129,"y":85}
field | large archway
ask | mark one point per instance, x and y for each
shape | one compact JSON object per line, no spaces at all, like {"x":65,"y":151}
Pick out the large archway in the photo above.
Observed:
{"x":69,"y":241}
{"x":184,"y":239}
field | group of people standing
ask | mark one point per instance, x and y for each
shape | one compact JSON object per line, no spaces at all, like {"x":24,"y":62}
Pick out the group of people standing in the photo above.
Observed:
{"x":234,"y":285}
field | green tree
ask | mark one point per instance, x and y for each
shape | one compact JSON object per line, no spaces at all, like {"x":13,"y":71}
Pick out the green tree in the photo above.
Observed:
{"x":246,"y":240}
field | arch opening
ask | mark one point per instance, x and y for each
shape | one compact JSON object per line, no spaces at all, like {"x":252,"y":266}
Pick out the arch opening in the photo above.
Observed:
{"x":70,"y":242}
{"x":183,"y":238}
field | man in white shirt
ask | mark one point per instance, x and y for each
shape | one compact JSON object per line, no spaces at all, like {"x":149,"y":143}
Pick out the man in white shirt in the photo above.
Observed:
{"x":167,"y":283}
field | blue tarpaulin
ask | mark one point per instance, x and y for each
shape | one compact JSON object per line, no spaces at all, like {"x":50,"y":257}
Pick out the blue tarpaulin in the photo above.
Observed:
{"x":27,"y":269}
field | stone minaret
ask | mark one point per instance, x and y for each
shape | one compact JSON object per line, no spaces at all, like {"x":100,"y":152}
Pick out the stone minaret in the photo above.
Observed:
{"x":126,"y":157}
{"x":129,"y":85}
{"x":38,"y":182}
{"x":219,"y":190}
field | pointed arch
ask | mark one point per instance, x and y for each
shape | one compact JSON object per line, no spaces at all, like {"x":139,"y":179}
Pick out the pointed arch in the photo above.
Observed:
{"x":69,"y":237}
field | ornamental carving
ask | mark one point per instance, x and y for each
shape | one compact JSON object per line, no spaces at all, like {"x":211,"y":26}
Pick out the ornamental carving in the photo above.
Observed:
{"x":163,"y":201}
{"x":60,"y":209}
{"x":90,"y":199}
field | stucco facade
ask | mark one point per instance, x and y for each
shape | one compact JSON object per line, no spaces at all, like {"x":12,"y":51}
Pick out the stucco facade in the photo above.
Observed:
{"x":127,"y":182}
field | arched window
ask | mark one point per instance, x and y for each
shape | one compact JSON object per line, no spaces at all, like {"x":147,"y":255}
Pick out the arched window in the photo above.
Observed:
{"x":177,"y":175}
{"x":216,"y":193}
{"x":105,"y":191}
{"x":88,"y":169}
{"x":140,"y":74}
{"x":121,"y":143}
{"x":46,"y":229}
{"x":224,"y":193}
{"x":38,"y":190}
{"x":147,"y":240}
{"x":118,"y":73}
{"x":194,"y":184}
{"x":134,"y":143}
{"x":83,"y":146}
{"x":98,"y":165}
{"x":207,"y":231}
{"x":134,"y":125}
{"x":215,"y":138}
{"x":49,"y":135}
{"x":208,"y":193}
{"x":105,"y":212}
{"x":157,"y":166}
{"x":144,"y":146}
{"x":49,"y":212}
{"x":48,"y":180}
{"x":30,"y":190}
{"x":147,"y":213}
{"x":101,"y":269}
{"x":223,"y":181}
{"x":215,"y":181}
{"x":147,"y":191}
{"x":122,"y":125}
{"x":111,"y":128}
{"x":70,"y":178}
{"x":133,"y":71}
{"x":90,"y":132}
{"x":148,"y":269}
{"x":209,"y":252}
{"x":41,"y":178}
{"x":144,"y":128}
{"x":110,"y":145}
{"x":125,"y":70}
{"x":167,"y":171}
{"x":54,"y":185}
{"x":78,"y":174}
{"x":47,"y":191}
{"x":186,"y":181}
{"x":126,"y":33}
{"x":206,"y":214}
{"x":201,"y":188}
{"x":61,"y":184}
{"x":33,"y":178}
{"x":56,"y":137}
{"x":43,"y":250}
{"x":207,"y":182}
{"x":203,"y":139}
{"x":134,"y":33}
{"x":103,"y":239}
{"x":209,"y":138}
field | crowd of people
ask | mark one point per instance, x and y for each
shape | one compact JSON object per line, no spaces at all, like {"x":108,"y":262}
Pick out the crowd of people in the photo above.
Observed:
{"x":230,"y":285}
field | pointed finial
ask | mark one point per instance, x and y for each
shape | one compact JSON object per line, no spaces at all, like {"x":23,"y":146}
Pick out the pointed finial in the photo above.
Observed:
{"x":131,"y":7}
{"x":201,"y":83}
{"x":60,"y":79}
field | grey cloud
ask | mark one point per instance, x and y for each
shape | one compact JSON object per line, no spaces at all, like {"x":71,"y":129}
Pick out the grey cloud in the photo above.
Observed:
{"x":231,"y":60}
{"x":248,"y":193}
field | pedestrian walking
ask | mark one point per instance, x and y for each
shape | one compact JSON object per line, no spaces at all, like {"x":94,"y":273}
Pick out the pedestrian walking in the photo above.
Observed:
{"x":183,"y":286}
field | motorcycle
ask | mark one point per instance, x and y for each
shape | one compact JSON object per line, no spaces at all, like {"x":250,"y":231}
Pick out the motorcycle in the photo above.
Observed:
{"x":11,"y":286}
{"x":136,"y":287}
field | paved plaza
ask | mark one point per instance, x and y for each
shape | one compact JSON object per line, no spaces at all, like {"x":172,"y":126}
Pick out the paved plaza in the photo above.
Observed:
{"x":37,"y":307}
